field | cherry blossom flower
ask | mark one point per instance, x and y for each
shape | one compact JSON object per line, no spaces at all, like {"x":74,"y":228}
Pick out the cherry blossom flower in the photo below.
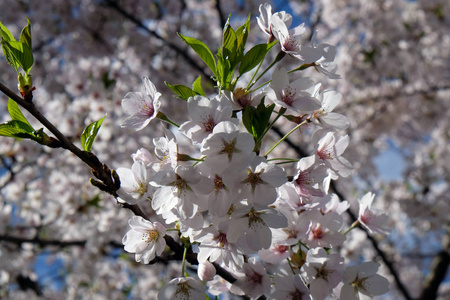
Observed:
{"x":240,"y":98}
{"x":324,"y":116}
{"x":290,"y":40}
{"x":370,"y":218}
{"x":227,"y":147}
{"x":254,"y":224}
{"x":362,"y":279}
{"x":142,"y":107}
{"x":324,"y":229}
{"x":265,"y":19}
{"x":134,"y":183}
{"x":179,"y":188}
{"x":309,"y":176}
{"x":145,"y":238}
{"x":289,"y":287}
{"x":186,"y":288}
{"x":322,"y":271}
{"x":214,"y":244}
{"x":330,"y":149}
{"x":294,"y":96}
{"x":258,"y":182}
{"x":166,"y":149}
{"x":254,"y":282}
{"x":205,"y":114}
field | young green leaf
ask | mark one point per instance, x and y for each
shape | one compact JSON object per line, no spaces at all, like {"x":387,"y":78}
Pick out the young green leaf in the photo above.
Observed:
{"x":19,"y":54}
{"x":89,"y":134}
{"x":16,"y":129}
{"x":197,"y":86}
{"x":241,"y":36}
{"x":229,"y":43}
{"x":202,"y":51}
{"x":254,"y":56}
{"x":5,"y":34}
{"x":25,"y":35}
{"x":16,"y":114}
{"x":182,"y":91}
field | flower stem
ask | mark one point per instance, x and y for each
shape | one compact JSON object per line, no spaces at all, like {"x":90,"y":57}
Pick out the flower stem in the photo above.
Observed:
{"x":354,"y":225}
{"x":279,"y":57}
{"x":163,"y":117}
{"x":284,"y":137}
{"x":183,"y":264}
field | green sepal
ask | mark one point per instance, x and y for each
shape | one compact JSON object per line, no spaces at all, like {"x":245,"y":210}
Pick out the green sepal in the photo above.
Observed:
{"x":202,"y":51}
{"x":89,"y":134}
{"x":16,"y":114}
{"x":182,"y":91}
{"x":254,"y":56}
{"x":197,"y":86}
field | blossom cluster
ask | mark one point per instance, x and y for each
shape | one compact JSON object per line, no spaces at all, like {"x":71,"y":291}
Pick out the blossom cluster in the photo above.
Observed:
{"x":241,"y":209}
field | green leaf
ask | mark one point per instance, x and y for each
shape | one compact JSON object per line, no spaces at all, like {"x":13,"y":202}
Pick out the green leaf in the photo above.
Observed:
{"x":241,"y":35}
{"x":19,"y":53}
{"x":89,"y":134}
{"x":16,"y":114}
{"x":197,"y":86}
{"x":229,"y":42}
{"x":25,"y":35}
{"x":247,"y":118}
{"x":182,"y":91}
{"x":202,"y":51}
{"x":5,"y":34}
{"x":254,"y":56}
{"x":16,"y":129}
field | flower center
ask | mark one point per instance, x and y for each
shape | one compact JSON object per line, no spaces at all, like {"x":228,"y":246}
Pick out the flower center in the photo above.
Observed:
{"x":150,"y":236}
{"x":288,"y":96}
{"x":218,"y":183}
{"x":209,"y":124}
{"x":229,"y":148}
{"x":147,"y":109}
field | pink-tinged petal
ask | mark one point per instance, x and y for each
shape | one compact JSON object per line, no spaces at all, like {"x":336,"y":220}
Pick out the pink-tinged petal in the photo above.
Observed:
{"x":164,"y":199}
{"x":319,"y":289}
{"x":341,"y":144}
{"x":132,"y":102}
{"x":280,"y":80}
{"x":330,"y":100}
{"x":127,"y":180}
{"x":348,"y":292}
{"x":150,"y":88}
{"x":140,"y":172}
{"x":136,"y":122}
{"x":236,"y":229}
{"x":375,"y":286}
{"x":139,"y":223}
{"x":336,"y":121}
{"x":264,"y":194}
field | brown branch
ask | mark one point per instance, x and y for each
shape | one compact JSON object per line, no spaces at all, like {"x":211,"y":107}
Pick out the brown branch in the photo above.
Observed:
{"x":107,"y":183}
{"x":183,"y":53}
{"x":439,"y":268}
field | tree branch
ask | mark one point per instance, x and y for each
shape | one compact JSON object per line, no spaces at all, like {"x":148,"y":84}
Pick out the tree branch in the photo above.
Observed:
{"x":109,"y":183}
{"x":183,"y":53}
{"x":439,"y":268}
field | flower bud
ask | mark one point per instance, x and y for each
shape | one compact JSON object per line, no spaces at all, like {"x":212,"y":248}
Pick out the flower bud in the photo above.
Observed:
{"x":206,"y":271}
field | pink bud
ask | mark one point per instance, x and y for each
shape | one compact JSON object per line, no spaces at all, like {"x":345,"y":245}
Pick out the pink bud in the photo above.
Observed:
{"x":206,"y":271}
